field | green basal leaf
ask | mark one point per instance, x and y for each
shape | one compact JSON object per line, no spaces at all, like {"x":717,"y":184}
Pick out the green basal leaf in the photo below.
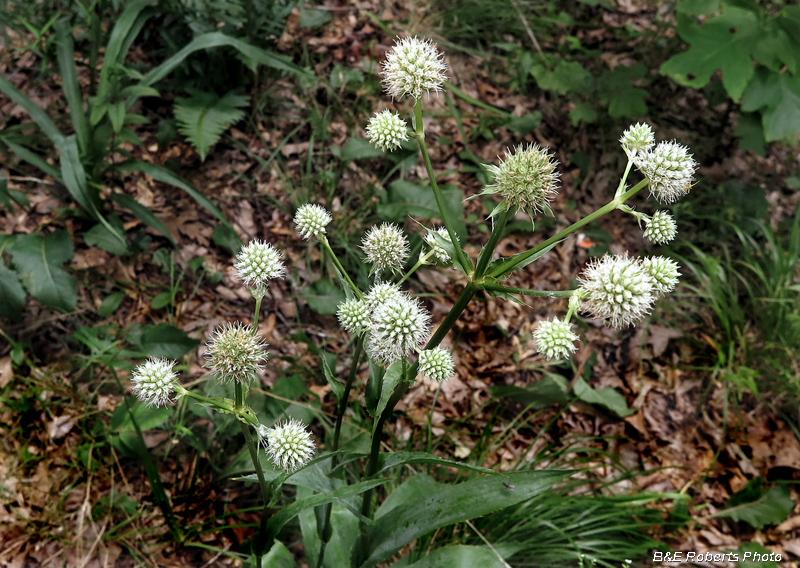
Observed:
{"x":777,"y":96}
{"x":772,"y":508}
{"x":336,"y":387}
{"x":142,"y":213}
{"x":38,"y":261}
{"x":606,"y":397}
{"x":358,"y":149}
{"x":389,"y":460}
{"x":101,"y":237}
{"x":164,"y":340}
{"x":12,"y":296}
{"x":460,"y":556}
{"x":392,"y":377}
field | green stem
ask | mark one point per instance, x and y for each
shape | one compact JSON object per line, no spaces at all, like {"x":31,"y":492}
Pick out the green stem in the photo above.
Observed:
{"x":324,"y":240}
{"x":437,"y":194}
{"x":256,"y":313}
{"x":488,"y":250}
{"x":617,"y":201}
{"x":423,"y":259}
{"x":528,"y":292}
{"x":621,"y":186}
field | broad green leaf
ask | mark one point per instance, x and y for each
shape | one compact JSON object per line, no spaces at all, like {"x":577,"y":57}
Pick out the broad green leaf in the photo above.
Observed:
{"x":278,"y":557}
{"x":147,"y":417}
{"x":224,"y":236}
{"x":110,"y":304}
{"x":747,"y":555}
{"x":562,"y":76}
{"x":460,"y":556}
{"x":772,"y":508}
{"x":142,"y":213}
{"x":617,"y":90}
{"x":550,"y":389}
{"x":344,"y":534}
{"x":583,"y":112}
{"x":69,"y":82}
{"x":38,"y":261}
{"x":34,"y":159}
{"x":525,"y":124}
{"x":203,"y":117}
{"x":414,"y":488}
{"x":12,"y":296}
{"x":453,"y":504}
{"x":406,"y":199}
{"x":336,"y":387}
{"x":358,"y":149}
{"x":392,"y":377}
{"x":127,"y":25}
{"x":724,"y":42}
{"x":389,"y":460}
{"x":777,"y":96}
{"x":323,"y":296}
{"x":99,"y":236}
{"x":605,"y":396}
{"x":164,"y":340}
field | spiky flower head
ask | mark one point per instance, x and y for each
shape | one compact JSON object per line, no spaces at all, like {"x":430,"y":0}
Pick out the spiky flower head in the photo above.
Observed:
{"x":311,"y":219}
{"x":670,"y":169}
{"x":438,"y":250}
{"x":413,"y":66}
{"x":661,"y":228}
{"x":526,"y":179}
{"x":436,"y":363}
{"x":637,"y":138}
{"x":235,"y":353}
{"x":383,"y":292}
{"x":257,"y":263}
{"x":386,"y":248}
{"x":154,"y":381}
{"x":386,"y":130}
{"x":554,"y":339}
{"x":354,"y":315}
{"x":289,"y":445}
{"x":398,"y":326}
{"x":617,"y":289}
{"x":664,"y":272}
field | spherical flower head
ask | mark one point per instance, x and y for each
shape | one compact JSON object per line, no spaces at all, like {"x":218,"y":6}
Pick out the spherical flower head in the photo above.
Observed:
{"x":386,"y":130}
{"x":413,"y":66}
{"x":386,"y":248}
{"x":664,"y":272}
{"x":554,"y":339}
{"x":438,"y":250}
{"x":289,"y":445}
{"x":661,"y":228}
{"x":617,"y":289}
{"x":398,"y":326}
{"x":154,"y":381}
{"x":436,"y":364}
{"x":527,"y":179}
{"x":382,"y":293}
{"x":311,"y":219}
{"x":235,"y":353}
{"x":670,"y":169}
{"x":637,"y":138}
{"x":257,"y":263}
{"x":353,"y":315}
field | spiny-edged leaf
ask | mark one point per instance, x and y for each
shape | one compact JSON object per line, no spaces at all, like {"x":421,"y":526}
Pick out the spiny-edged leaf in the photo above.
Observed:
{"x":12,"y":296}
{"x":724,"y":42}
{"x":605,"y":396}
{"x":386,"y":461}
{"x":460,"y":556}
{"x":38,"y":261}
{"x":618,"y":92}
{"x":453,"y":504}
{"x":777,"y":96}
{"x":203,"y":117}
{"x":772,"y":508}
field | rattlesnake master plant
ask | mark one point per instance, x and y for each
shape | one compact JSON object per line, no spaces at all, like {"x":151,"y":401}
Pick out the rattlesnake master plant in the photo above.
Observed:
{"x":393,"y":328}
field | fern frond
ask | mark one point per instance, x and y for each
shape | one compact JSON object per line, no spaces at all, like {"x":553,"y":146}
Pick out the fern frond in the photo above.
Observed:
{"x":203,"y":117}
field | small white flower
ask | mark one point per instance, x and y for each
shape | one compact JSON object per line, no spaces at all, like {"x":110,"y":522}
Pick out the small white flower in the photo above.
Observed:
{"x":438,"y":251}
{"x":664,"y":272}
{"x":311,"y":219}
{"x":354,"y":315}
{"x":386,"y":130}
{"x":413,"y":66}
{"x":154,"y":381}
{"x":670,"y":169}
{"x":386,"y":248}
{"x":383,"y":292}
{"x":617,"y":289}
{"x":289,"y":445}
{"x":436,"y":363}
{"x":235,"y":352}
{"x":554,"y":339}
{"x":257,"y":263}
{"x":398,"y":326}
{"x":638,"y":138}
{"x":661,"y":228}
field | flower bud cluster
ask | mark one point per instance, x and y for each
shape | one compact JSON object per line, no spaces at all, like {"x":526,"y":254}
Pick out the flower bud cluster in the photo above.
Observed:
{"x":354,"y":315}
{"x":154,"y":381}
{"x":638,"y":138}
{"x":413,"y":66}
{"x":436,"y":364}
{"x":670,"y":169}
{"x":386,"y":130}
{"x":257,"y":263}
{"x":311,"y":220}
{"x":386,"y":248}
{"x":437,"y":249}
{"x":235,"y":353}
{"x":661,"y":228}
{"x":554,"y":339}
{"x":289,"y":445}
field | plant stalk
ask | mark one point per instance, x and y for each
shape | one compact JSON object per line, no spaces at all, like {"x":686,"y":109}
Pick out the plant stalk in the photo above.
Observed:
{"x":324,"y":240}
{"x":488,"y":250}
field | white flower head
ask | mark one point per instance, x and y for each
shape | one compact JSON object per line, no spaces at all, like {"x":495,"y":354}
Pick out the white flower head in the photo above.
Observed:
{"x":398,"y":326}
{"x":386,"y":248}
{"x":353,"y":315}
{"x":438,"y":251}
{"x":637,"y":138}
{"x":661,"y":228}
{"x":257,"y":263}
{"x":436,"y":363}
{"x":670,"y":169}
{"x":664,"y":272}
{"x":526,"y":179}
{"x":289,"y":445}
{"x":554,"y":339}
{"x":311,"y":219}
{"x":154,"y":381}
{"x":386,"y":130}
{"x":617,"y":289}
{"x":413,"y":66}
{"x":383,"y":292}
{"x":235,"y":353}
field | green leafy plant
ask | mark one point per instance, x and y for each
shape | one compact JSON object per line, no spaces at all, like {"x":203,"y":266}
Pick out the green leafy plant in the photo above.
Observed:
{"x":203,"y":117}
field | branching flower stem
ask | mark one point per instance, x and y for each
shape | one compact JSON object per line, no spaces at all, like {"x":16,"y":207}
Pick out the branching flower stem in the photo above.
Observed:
{"x":423,"y":259}
{"x":324,"y":240}
{"x":497,"y":231}
{"x":527,"y":292}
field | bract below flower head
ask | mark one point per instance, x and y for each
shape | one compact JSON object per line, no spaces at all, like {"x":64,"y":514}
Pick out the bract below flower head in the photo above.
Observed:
{"x":398,"y":326}
{"x":526,"y":179}
{"x":289,"y":445}
{"x":554,"y":339}
{"x":311,"y":220}
{"x":413,"y":66}
{"x":386,"y":130}
{"x":617,"y":289}
{"x":154,"y":381}
{"x":386,"y":248}
{"x":257,"y":263}
{"x":235,"y":353}
{"x":670,"y":169}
